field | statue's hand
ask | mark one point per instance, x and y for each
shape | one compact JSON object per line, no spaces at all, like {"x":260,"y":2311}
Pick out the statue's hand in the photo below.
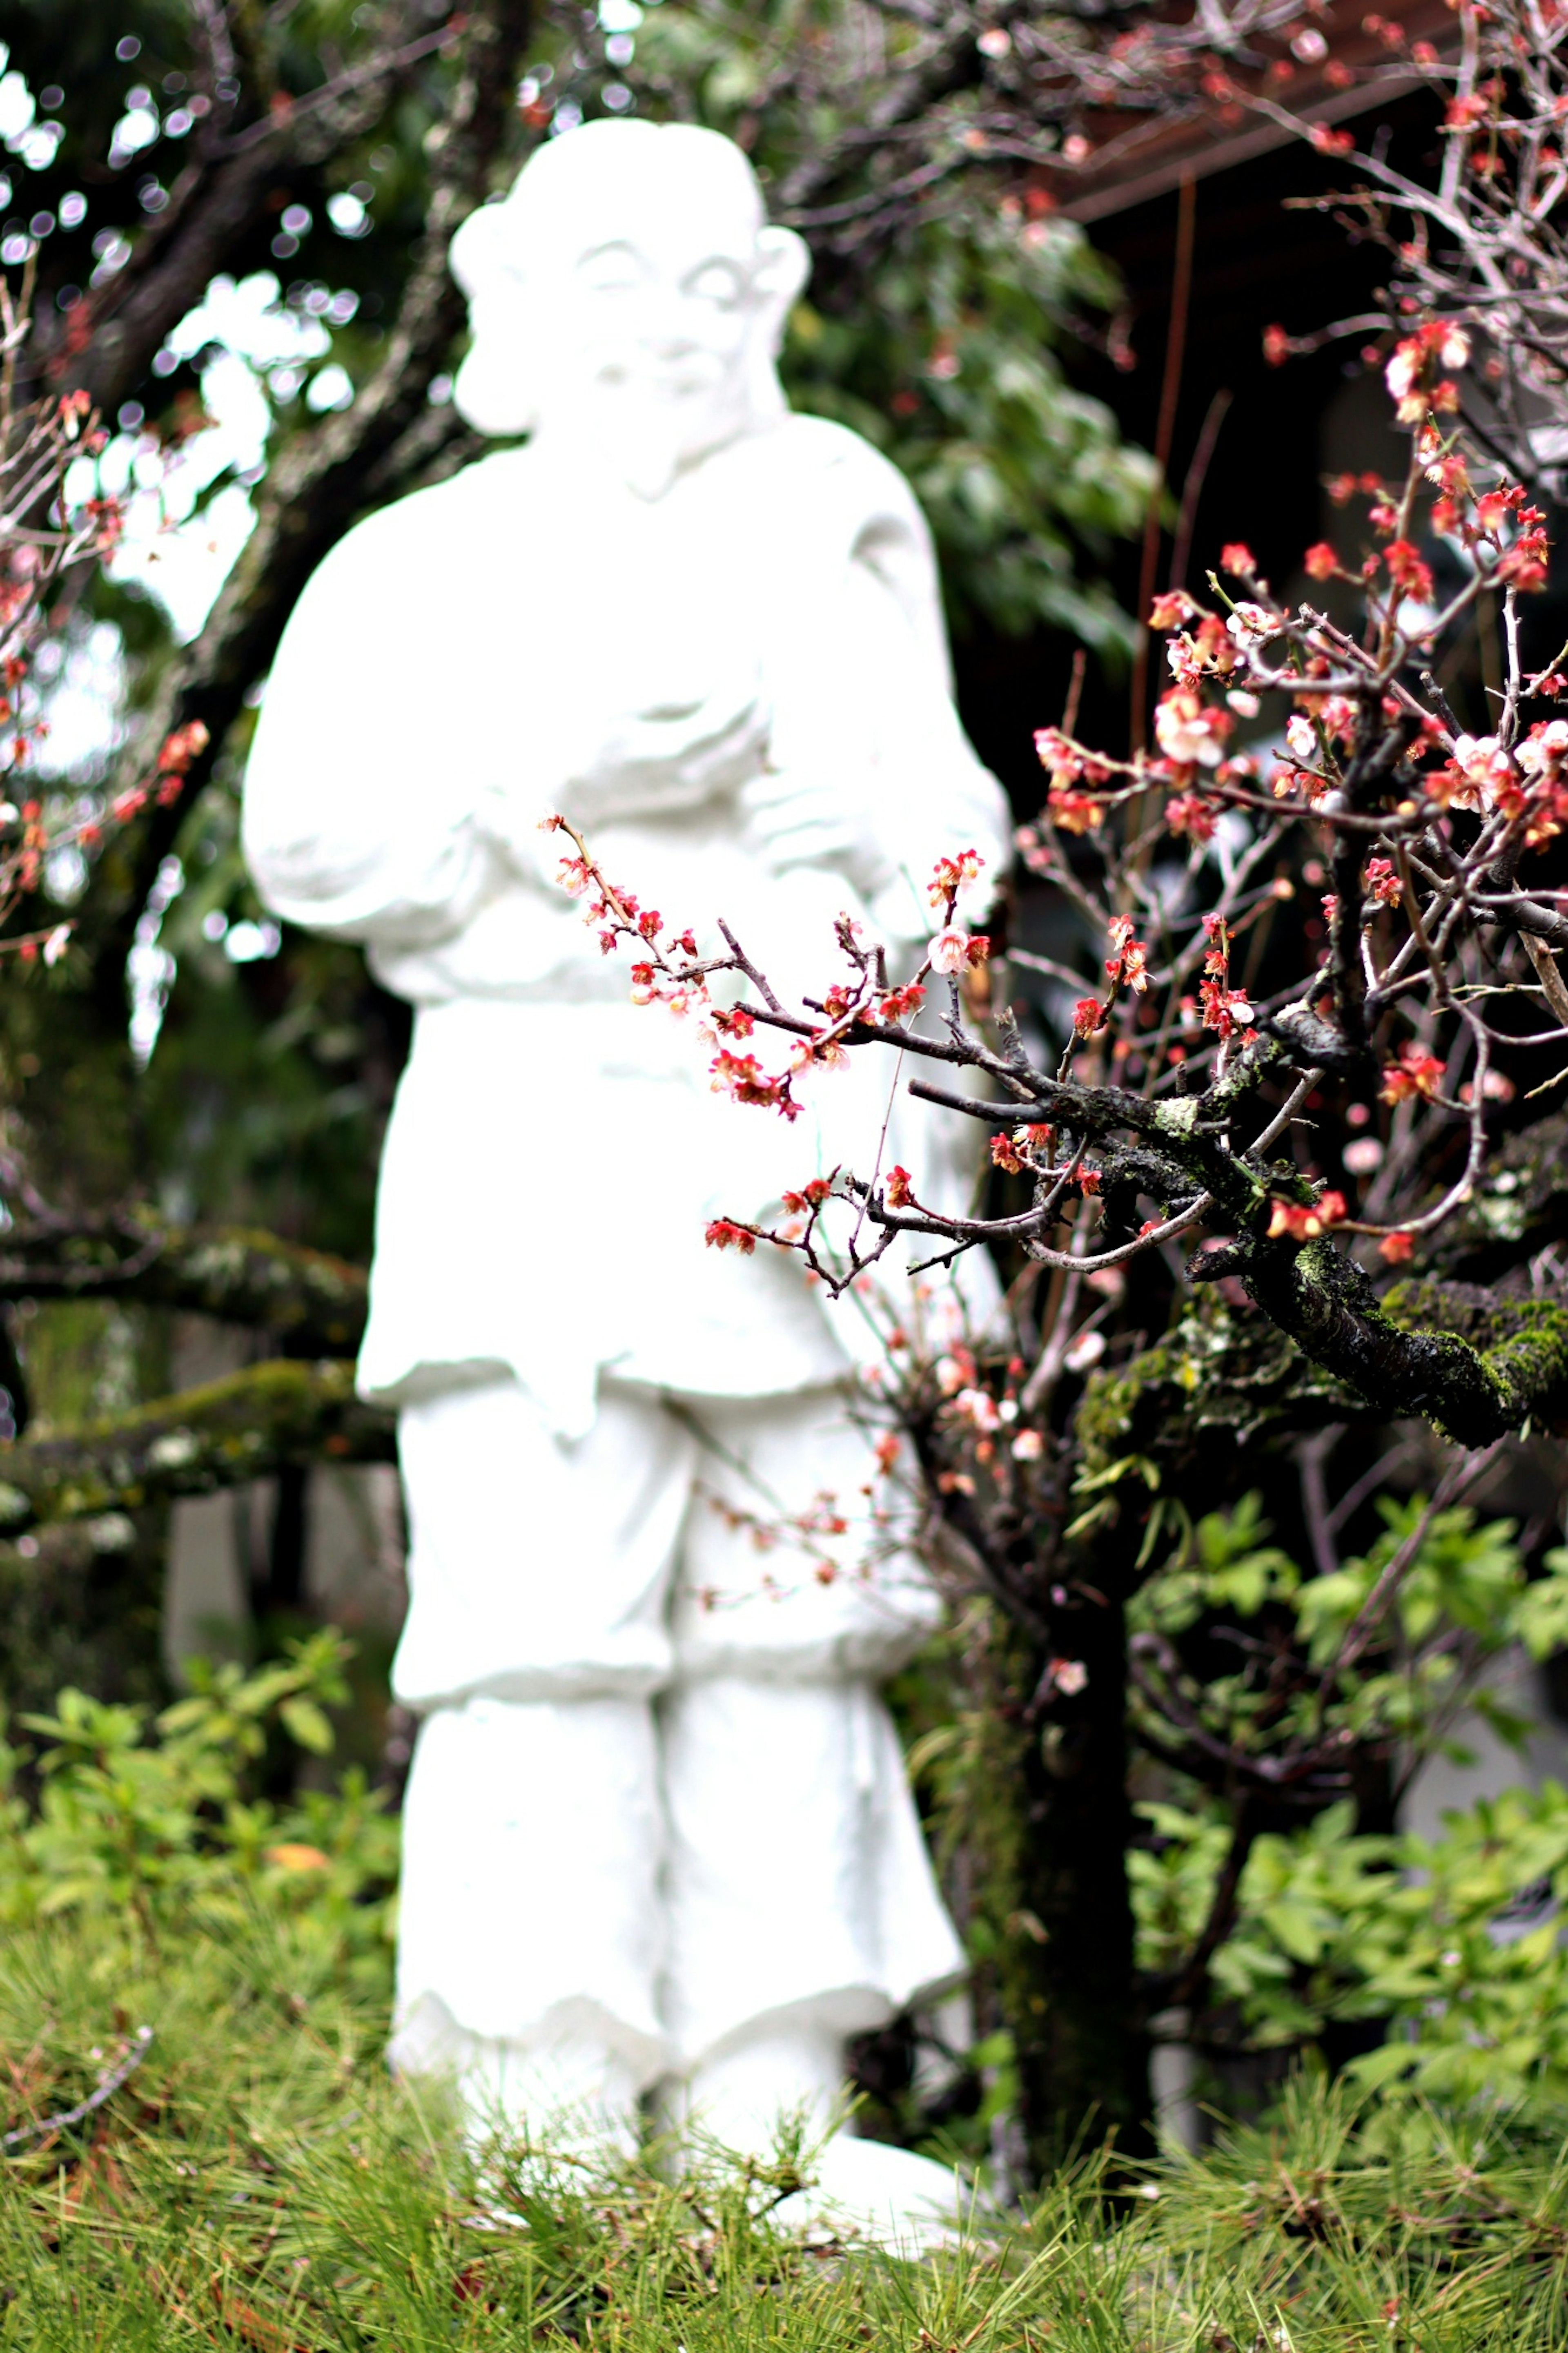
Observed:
{"x":668,"y":758}
{"x":655,"y":761}
{"x":791,"y":823}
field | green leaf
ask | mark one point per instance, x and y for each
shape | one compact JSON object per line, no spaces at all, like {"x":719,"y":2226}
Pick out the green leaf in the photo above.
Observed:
{"x":304,"y":1721}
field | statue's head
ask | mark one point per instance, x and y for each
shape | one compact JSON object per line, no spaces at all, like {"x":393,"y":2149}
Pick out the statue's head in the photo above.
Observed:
{"x":629,"y":297}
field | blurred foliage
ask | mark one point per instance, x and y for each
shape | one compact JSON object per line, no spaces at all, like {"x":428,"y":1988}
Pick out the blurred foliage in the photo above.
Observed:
{"x":168,"y":1838}
{"x":950,"y":371}
{"x":937,"y":333}
{"x":272,"y":1078}
{"x":1451,"y":1944}
{"x":281,"y":52}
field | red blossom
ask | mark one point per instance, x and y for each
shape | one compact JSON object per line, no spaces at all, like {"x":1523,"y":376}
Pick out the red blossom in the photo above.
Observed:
{"x":742,"y":1079}
{"x":107,"y":519}
{"x":1407,"y":570}
{"x":1524,"y":565}
{"x":1128,"y":966}
{"x":724,"y":1233}
{"x":183,"y":747}
{"x":899,"y":1002}
{"x":900,"y":1188}
{"x":1398,"y":1249}
{"x":1415,"y":1073}
{"x":1171,"y":611}
{"x":811,"y":1195}
{"x":1290,"y":1219}
{"x":1238,"y":558}
{"x":1190,"y":815}
{"x":949,"y":876}
{"x":1073,"y":812}
{"x":1320,"y":561}
{"x":1059,"y":753}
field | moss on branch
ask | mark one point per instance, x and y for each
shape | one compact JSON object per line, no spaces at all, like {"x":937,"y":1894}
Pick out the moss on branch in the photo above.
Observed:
{"x":314,"y":1304}
{"x":1325,"y":1303}
{"x":1477,"y":1363}
{"x":1222,"y":1378}
{"x":222,"y":1435}
{"x":311,"y":1302}
{"x":1519,"y":1347}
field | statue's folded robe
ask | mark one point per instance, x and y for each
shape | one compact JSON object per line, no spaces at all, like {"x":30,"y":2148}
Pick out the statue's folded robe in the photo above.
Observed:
{"x":556,"y":1153}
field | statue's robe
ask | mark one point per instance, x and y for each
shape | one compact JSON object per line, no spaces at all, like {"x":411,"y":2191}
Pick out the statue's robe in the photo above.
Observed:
{"x":555,"y":1152}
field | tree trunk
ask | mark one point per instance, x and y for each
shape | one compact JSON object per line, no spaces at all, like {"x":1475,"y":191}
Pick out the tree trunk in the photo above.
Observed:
{"x":1055,"y":1821}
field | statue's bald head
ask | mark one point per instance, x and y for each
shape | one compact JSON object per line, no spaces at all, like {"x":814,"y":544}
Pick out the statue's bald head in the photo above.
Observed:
{"x":632,"y":263}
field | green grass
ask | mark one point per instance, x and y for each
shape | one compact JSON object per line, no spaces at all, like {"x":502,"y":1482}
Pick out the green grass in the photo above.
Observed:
{"x":259,"y":2183}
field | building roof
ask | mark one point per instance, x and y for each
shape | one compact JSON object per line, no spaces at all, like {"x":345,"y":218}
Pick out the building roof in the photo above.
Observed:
{"x":1364,"y":63}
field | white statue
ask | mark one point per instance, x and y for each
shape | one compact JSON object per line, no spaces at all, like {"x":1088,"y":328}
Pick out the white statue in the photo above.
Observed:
{"x":658,"y":1829}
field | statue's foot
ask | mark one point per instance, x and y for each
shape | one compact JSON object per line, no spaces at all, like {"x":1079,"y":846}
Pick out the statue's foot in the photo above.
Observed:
{"x":573,"y":2096}
{"x":738,"y":2096}
{"x":884,"y":2197}
{"x":575,"y":2099}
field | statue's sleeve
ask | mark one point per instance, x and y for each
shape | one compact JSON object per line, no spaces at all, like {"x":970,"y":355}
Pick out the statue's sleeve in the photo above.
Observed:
{"x":360,"y":805}
{"x":879,"y":704}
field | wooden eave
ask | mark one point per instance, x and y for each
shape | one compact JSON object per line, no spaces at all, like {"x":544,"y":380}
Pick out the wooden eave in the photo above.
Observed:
{"x":1138,"y":157}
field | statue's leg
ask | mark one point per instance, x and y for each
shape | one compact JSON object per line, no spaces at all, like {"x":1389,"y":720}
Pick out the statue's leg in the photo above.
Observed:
{"x":531,"y":1919}
{"x":802,"y":1905}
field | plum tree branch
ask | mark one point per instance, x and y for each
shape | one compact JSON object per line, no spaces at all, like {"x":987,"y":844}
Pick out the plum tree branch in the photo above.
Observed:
{"x":222,"y":1435}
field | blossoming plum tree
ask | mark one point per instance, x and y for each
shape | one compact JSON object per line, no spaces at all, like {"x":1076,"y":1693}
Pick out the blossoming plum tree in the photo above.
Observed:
{"x":1174,"y":1086}
{"x":1326,"y":922}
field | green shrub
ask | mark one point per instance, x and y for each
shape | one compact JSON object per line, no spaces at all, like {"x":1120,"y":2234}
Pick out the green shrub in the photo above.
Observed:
{"x":1453,"y":1941}
{"x":157,"y":1838}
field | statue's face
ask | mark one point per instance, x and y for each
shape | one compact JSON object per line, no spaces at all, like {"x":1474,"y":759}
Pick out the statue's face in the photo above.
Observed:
{"x":640,"y":310}
{"x":660,"y":319}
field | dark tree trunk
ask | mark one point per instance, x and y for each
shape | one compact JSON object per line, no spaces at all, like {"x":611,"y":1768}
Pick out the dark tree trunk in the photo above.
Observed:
{"x":1083,"y":2058}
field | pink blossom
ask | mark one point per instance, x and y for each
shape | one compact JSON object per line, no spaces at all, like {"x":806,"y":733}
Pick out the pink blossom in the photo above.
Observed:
{"x":1544,"y":746}
{"x":1186,"y":731}
{"x":949,"y":951}
{"x":949,"y":875}
{"x":978,"y":1408}
{"x":1250,"y":624}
